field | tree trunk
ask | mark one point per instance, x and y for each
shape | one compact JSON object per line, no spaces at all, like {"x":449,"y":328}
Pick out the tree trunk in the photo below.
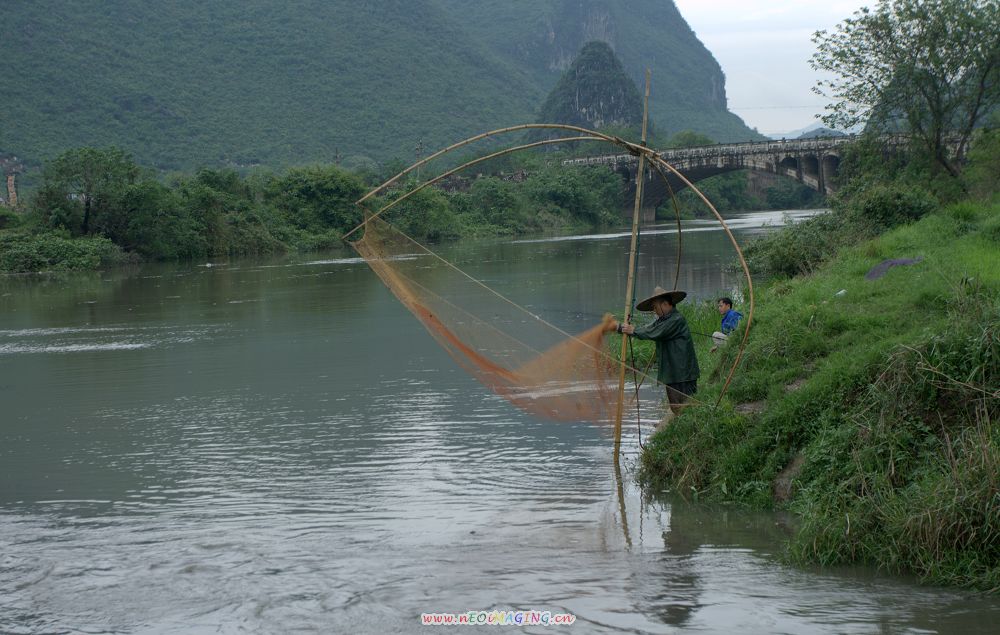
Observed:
{"x":86,"y":215}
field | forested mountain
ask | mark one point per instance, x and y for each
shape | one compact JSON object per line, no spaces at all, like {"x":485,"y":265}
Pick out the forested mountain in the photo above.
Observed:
{"x":594,"y":92}
{"x":543,"y":38}
{"x":183,"y":83}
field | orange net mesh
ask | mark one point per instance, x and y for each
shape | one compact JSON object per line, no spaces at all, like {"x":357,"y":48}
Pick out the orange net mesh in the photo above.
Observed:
{"x":531,"y":363}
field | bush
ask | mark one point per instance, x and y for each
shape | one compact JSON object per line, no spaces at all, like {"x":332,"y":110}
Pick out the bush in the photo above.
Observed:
{"x":883,"y":207}
{"x":427,"y":214}
{"x":24,"y":253}
{"x":9,"y":219}
{"x":802,"y":247}
{"x":984,"y":162}
{"x":795,"y":249}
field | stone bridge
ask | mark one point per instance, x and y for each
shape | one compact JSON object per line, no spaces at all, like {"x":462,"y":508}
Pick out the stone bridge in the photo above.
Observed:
{"x":812,"y":162}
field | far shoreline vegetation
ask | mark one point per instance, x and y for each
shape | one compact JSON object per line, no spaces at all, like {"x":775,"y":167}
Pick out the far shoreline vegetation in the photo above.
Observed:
{"x":96,"y":208}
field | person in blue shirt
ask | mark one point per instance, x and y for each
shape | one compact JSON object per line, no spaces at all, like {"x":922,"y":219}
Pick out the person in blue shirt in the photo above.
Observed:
{"x":730,"y":320}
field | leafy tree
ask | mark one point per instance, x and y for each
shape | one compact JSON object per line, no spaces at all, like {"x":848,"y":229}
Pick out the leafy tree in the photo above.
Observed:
{"x":935,"y":63}
{"x":496,"y":202}
{"x":319,"y":197}
{"x":81,"y":187}
{"x":427,"y":214}
{"x":689,"y":138}
{"x":591,"y":194}
{"x":154,"y":223}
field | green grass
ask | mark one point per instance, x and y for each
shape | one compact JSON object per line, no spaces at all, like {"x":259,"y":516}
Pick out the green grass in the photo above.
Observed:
{"x":886,"y":388}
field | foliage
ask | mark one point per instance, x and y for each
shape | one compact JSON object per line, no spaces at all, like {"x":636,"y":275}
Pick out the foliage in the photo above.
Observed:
{"x":801,"y":247}
{"x":592,"y":194}
{"x":795,"y":248}
{"x":9,"y":218}
{"x":688,"y":139}
{"x":981,"y":176}
{"x":934,"y":63}
{"x":539,"y":38}
{"x":883,"y":207}
{"x":879,"y":190}
{"x":55,"y":251}
{"x":427,"y":214}
{"x":222,"y":213}
{"x":788,"y":194}
{"x":318,"y":197}
{"x":728,"y":192}
{"x":83,"y":188}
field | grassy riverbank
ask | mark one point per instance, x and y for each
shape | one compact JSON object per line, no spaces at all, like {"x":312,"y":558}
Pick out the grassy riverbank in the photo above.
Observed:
{"x":870,"y":407}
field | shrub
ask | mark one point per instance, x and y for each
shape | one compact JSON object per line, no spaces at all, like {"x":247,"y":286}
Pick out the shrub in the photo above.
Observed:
{"x":53,"y":251}
{"x":883,"y":207}
{"x":9,"y":219}
{"x":795,"y":249}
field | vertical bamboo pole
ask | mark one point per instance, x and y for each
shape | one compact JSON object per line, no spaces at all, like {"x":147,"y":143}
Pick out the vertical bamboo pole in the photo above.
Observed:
{"x":631,"y":273}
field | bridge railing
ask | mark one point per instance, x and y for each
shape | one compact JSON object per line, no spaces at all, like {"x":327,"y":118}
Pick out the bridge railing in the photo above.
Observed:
{"x":751,"y":147}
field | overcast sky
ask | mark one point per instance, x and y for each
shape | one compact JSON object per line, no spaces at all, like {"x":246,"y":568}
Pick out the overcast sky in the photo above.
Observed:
{"x":764,"y":48}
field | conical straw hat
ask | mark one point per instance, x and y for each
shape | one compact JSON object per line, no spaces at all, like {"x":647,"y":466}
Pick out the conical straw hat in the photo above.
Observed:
{"x":675,"y":296}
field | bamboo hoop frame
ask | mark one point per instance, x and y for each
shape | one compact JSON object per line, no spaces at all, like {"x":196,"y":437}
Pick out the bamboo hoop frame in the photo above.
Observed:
{"x":583,"y":134}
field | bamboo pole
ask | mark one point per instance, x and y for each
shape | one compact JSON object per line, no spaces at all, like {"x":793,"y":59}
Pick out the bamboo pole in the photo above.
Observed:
{"x":622,"y":509}
{"x":631,"y":273}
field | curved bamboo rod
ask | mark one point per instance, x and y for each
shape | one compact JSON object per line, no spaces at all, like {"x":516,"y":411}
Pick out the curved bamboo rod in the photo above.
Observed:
{"x":445,"y":175}
{"x":484,"y":135}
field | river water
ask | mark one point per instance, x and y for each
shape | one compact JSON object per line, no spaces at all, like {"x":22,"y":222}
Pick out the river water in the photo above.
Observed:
{"x":278,"y":446}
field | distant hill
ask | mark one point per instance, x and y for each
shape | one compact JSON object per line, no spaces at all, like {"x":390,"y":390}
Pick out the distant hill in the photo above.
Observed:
{"x":811,"y":131}
{"x":594,"y":92}
{"x":543,"y":38}
{"x":822,"y":131}
{"x":243,"y":82}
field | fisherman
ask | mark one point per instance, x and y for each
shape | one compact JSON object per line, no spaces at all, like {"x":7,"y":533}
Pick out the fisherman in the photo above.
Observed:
{"x":674,"y":346}
{"x":730,"y":320}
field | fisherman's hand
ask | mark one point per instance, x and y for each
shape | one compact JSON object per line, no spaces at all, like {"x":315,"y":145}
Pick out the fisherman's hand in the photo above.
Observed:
{"x":627,"y":329}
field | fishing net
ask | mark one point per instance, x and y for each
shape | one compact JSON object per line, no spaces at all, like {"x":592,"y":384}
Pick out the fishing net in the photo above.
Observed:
{"x":516,"y":354}
{"x":520,"y":356}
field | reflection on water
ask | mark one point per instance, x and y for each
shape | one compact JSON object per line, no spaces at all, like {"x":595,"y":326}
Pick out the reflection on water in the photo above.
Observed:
{"x":752,"y":223}
{"x":279,"y":446}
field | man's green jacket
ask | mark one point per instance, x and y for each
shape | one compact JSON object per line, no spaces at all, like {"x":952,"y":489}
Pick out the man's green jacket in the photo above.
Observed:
{"x":674,"y":348}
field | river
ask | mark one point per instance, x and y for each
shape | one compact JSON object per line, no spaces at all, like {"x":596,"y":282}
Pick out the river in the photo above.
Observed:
{"x":277,"y":446}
